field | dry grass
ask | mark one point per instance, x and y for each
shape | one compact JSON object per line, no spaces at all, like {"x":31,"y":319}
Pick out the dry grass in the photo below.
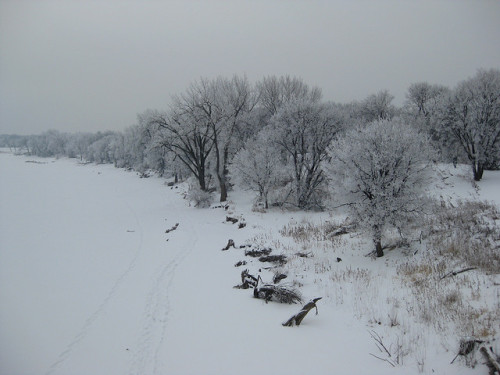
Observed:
{"x":467,"y":233}
{"x":416,"y":294}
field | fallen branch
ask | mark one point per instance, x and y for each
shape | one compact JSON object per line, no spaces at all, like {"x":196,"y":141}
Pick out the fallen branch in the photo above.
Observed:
{"x":230,"y":243}
{"x":466,"y":347}
{"x":257,"y":253}
{"x":383,"y":359}
{"x":297,"y":318}
{"x":231,"y":219}
{"x":492,"y":363}
{"x":247,"y":280}
{"x":454,"y":273}
{"x":279,"y":259}
{"x":380,"y":345}
{"x":278,"y":277}
{"x":341,"y":230}
{"x":173,"y":228}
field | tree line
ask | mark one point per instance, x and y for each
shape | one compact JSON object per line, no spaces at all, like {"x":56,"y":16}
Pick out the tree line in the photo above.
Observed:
{"x":279,"y":138}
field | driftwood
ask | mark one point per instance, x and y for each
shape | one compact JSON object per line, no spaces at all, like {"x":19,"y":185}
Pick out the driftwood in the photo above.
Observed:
{"x":240,"y":263}
{"x":247,"y":280}
{"x":258,"y":253}
{"x":279,"y":259}
{"x":173,"y":228}
{"x":224,"y":206}
{"x":491,"y":361}
{"x":297,"y":318}
{"x":466,"y":347}
{"x":278,"y":293}
{"x":278,"y":277}
{"x":454,"y":273}
{"x":230,"y":243}
{"x":340,"y":231}
{"x":231,"y":219}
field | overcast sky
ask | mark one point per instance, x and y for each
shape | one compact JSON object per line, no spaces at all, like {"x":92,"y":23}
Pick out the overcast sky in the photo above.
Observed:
{"x":76,"y":65}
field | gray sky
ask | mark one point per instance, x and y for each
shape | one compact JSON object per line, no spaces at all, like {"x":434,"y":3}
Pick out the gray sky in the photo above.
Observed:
{"x":76,"y":65}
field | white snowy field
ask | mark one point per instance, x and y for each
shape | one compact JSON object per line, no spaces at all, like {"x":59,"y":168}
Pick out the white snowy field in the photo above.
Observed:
{"x":91,"y":283}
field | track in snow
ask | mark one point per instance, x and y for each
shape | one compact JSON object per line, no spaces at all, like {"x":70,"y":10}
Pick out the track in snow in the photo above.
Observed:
{"x":156,"y":314}
{"x":65,"y":354}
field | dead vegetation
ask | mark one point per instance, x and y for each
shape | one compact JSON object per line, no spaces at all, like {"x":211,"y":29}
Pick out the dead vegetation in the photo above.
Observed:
{"x":258,"y":252}
{"x":306,"y":232}
{"x":467,"y":232}
{"x":443,"y":282}
{"x":283,"y":293}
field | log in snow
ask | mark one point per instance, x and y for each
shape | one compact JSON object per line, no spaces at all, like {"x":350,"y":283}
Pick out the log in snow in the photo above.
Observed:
{"x":492,"y":363}
{"x":454,"y":273}
{"x":297,"y":318}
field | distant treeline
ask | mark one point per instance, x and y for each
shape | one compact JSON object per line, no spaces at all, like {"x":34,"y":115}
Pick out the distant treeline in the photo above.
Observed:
{"x":273,"y":136}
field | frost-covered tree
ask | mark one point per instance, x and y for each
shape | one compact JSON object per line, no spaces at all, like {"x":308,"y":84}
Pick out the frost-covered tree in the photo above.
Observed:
{"x":377,"y":107}
{"x":49,"y":143}
{"x":274,"y":92}
{"x":78,"y":145}
{"x":422,"y":98}
{"x":381,"y":169}
{"x":422,"y":104}
{"x":226,"y":104}
{"x":101,"y":151}
{"x":258,"y":167}
{"x":302,"y":131}
{"x":470,"y":115}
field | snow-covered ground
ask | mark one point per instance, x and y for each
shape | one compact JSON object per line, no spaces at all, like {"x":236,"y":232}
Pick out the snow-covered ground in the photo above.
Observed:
{"x":91,"y":283}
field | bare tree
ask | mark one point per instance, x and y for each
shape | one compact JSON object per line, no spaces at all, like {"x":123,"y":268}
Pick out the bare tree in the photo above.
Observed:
{"x":185,"y":135}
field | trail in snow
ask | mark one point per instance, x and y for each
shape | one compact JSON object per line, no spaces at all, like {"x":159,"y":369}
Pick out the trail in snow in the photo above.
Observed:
{"x":156,"y":314}
{"x":82,"y":333}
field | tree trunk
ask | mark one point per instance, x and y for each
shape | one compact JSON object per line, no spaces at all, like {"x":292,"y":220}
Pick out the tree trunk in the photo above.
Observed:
{"x":492,"y":363}
{"x":477,"y":169}
{"x":223,"y":189}
{"x":201,"y":181}
{"x":378,"y":249}
{"x":377,"y":239}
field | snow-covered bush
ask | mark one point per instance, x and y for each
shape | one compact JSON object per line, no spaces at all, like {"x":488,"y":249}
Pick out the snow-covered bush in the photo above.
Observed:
{"x":200,"y":198}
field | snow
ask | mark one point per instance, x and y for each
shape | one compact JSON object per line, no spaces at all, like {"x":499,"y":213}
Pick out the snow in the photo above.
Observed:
{"x":90,"y":283}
